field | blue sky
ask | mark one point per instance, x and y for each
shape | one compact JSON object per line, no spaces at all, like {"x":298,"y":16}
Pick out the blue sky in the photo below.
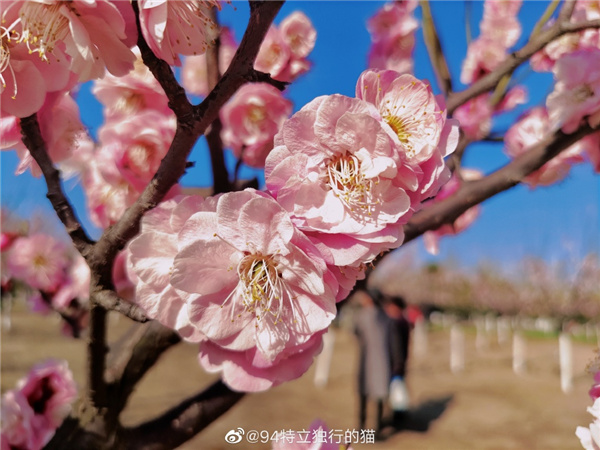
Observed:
{"x":560,"y":222}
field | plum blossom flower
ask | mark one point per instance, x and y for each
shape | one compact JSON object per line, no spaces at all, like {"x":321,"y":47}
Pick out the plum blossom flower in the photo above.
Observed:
{"x":576,"y":91}
{"x":177,"y":28}
{"x":39,"y":260}
{"x":132,"y":93}
{"x":136,"y":145}
{"x":318,"y":437}
{"x":37,"y":406}
{"x":193,"y":73}
{"x":431,"y":238}
{"x":416,"y":121}
{"x":590,"y":436}
{"x":65,"y":136}
{"x":91,"y":33}
{"x":336,"y":170}
{"x":285,"y":48}
{"x":251,"y":119}
{"x":392,"y":30}
{"x":527,"y":132}
{"x":259,"y":290}
{"x":149,"y":260}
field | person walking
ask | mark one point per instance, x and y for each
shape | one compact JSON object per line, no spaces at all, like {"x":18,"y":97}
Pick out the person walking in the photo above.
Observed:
{"x":370,"y":327}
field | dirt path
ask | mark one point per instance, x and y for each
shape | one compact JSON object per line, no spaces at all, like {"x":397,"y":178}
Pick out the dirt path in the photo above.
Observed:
{"x":484,"y":407}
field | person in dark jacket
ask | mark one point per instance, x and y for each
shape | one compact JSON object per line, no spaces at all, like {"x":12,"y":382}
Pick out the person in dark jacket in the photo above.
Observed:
{"x":370,"y":327}
{"x":398,"y":337}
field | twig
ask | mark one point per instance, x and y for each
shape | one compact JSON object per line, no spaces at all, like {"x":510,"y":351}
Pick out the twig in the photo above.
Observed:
{"x":535,"y":44}
{"x":213,"y":137}
{"x":32,"y":138}
{"x":545,"y":17}
{"x":173,"y":165}
{"x":474,"y":192}
{"x":182,"y":422}
{"x":108,"y":299}
{"x":434,"y":48}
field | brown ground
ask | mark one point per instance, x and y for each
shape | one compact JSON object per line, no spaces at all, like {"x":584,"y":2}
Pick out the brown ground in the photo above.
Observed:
{"x":485,"y":407}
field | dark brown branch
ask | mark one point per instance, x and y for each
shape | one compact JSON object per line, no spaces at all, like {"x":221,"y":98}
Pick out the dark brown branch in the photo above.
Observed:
{"x":126,"y":373}
{"x":536,"y":43}
{"x":174,"y":164}
{"x":213,"y":137}
{"x":182,"y":422}
{"x":256,"y":76}
{"x":109,"y":299}
{"x":96,"y":355}
{"x":32,"y":138}
{"x":178,"y":101}
{"x":474,"y":192}
{"x":434,"y":48}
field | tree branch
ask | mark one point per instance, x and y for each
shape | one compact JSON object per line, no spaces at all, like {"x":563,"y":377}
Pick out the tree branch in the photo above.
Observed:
{"x":174,"y":164}
{"x":32,"y":138}
{"x":182,"y":422}
{"x":108,"y":299}
{"x":434,"y":48}
{"x":213,"y":137}
{"x":474,"y":192}
{"x":535,"y":44}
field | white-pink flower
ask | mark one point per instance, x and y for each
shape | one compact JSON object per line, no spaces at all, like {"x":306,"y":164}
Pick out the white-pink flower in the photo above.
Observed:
{"x":91,"y":33}
{"x":432,"y":238}
{"x":336,"y":170}
{"x":392,"y":30}
{"x":136,"y":145}
{"x":37,"y":406}
{"x":149,"y":261}
{"x":174,"y":28}
{"x":590,"y":436}
{"x":39,"y":260}
{"x":131,"y":93}
{"x":318,"y":437}
{"x":258,"y":289}
{"x":577,"y":90}
{"x":251,"y":119}
{"x":527,"y":132}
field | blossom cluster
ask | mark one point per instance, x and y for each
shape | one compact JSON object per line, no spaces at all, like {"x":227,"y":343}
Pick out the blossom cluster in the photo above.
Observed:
{"x":392,"y":31}
{"x":54,"y":276}
{"x":254,"y":277}
{"x":499,"y":31}
{"x":33,"y":411}
{"x":257,"y":110}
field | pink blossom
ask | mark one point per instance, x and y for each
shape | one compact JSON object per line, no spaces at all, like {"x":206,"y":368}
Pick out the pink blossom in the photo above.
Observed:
{"x":150,"y":259}
{"x":132,"y":93}
{"x":595,"y":390}
{"x":392,"y":31}
{"x":251,"y":119}
{"x":592,"y":146}
{"x":483,"y":56}
{"x":177,"y":28}
{"x":91,"y":33}
{"x":274,"y":54}
{"x":590,"y":436}
{"x":193,"y":73}
{"x":136,"y":144}
{"x":431,"y":238}
{"x":284,"y":50}
{"x":259,"y":290}
{"x":527,"y":132}
{"x":318,"y":437}
{"x":475,"y":117}
{"x":37,"y":406}
{"x":412,"y":115}
{"x":500,"y":22}
{"x":577,"y":90}
{"x":39,"y":260}
{"x":336,"y":170}
{"x":299,"y":34}
{"x":76,"y":285}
